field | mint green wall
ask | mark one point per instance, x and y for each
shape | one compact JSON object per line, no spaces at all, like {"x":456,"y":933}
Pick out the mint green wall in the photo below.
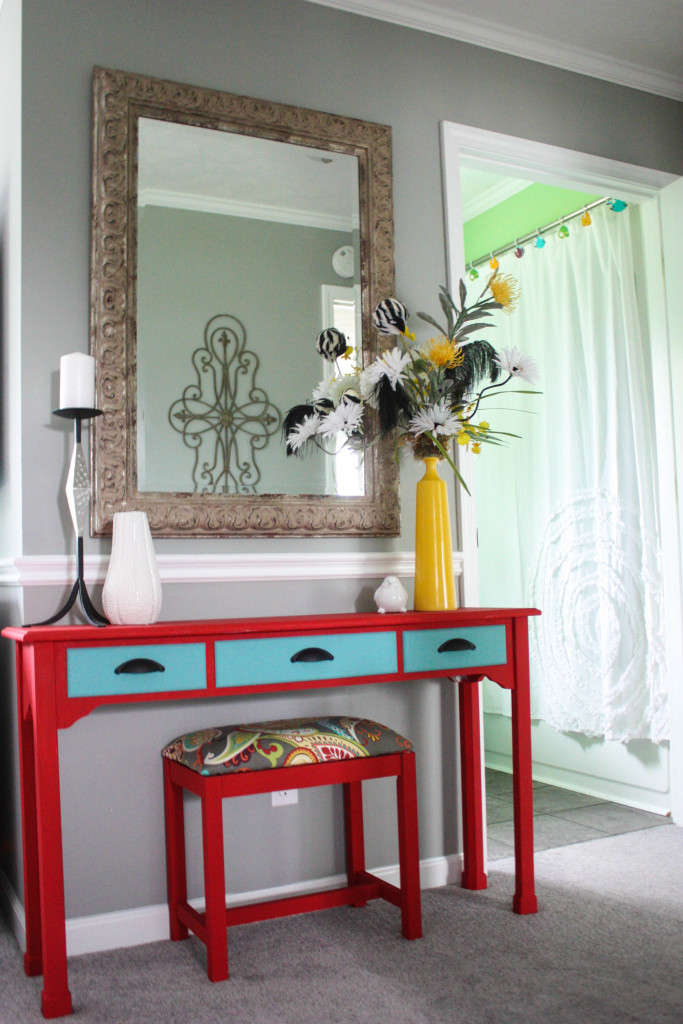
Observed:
{"x":517,"y":216}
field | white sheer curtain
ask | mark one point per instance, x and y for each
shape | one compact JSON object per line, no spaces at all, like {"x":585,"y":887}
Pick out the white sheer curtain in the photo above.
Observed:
{"x":568,"y":516}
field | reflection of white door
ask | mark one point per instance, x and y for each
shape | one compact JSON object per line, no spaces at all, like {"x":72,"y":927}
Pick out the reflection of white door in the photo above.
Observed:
{"x":520,"y":158}
{"x":341,"y":308}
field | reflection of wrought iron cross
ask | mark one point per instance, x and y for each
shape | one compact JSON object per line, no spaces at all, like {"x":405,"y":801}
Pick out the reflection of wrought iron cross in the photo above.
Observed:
{"x":225,"y":407}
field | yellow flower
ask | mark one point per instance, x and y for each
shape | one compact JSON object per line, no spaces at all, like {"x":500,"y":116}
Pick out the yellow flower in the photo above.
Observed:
{"x":463,"y":437}
{"x":505,"y":290}
{"x":443,"y":352}
{"x":476,"y":448}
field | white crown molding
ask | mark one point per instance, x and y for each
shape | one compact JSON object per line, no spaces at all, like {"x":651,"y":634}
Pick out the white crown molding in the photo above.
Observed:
{"x":490,"y":197}
{"x":234,"y":208}
{"x":504,"y":39}
{"x":59,"y":570}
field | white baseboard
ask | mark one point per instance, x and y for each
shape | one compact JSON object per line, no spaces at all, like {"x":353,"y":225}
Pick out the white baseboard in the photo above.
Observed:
{"x":99,"y":932}
{"x":601,"y":789}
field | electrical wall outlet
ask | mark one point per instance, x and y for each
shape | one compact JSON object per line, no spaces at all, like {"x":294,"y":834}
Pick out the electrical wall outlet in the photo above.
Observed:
{"x":285,"y":796}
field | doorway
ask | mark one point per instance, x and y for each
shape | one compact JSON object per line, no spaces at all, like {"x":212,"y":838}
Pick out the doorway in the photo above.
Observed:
{"x":628,"y":773}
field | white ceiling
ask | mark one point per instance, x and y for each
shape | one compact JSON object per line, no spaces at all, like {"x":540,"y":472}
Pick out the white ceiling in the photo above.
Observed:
{"x":638,"y":43}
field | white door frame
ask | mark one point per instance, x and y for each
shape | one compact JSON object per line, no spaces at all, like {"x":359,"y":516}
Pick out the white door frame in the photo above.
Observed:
{"x":506,"y":154}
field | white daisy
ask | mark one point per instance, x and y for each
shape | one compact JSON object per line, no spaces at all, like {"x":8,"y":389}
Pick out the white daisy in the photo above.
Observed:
{"x":339,"y":386}
{"x":390,"y":365}
{"x":322,"y":391}
{"x":437,"y":419}
{"x":394,"y":364}
{"x":368,"y":379}
{"x":303,"y":431}
{"x":513,"y":362}
{"x":346,"y":418}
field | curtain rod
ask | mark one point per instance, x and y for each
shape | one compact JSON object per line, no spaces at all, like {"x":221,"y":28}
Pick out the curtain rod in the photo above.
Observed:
{"x":541,"y":231}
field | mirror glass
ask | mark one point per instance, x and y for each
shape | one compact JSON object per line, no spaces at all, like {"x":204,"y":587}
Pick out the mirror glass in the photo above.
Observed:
{"x":246,"y":249}
{"x":227,"y":233}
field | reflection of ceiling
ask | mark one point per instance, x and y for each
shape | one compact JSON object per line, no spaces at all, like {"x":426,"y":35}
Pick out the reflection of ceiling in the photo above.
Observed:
{"x":221,"y":172}
{"x":632,"y":42}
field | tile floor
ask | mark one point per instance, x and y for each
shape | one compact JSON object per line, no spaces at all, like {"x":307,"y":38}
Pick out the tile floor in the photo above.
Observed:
{"x":561,"y":816}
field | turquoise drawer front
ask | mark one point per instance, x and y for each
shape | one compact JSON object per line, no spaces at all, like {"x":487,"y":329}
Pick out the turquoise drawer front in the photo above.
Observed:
{"x":91,"y":671}
{"x":262,"y":662}
{"x":421,"y":648}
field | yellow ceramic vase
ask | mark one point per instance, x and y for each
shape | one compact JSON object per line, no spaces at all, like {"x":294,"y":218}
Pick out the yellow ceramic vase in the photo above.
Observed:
{"x":434,"y":580}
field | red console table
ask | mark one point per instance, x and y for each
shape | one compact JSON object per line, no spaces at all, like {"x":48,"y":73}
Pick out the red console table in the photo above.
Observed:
{"x":64,"y":672}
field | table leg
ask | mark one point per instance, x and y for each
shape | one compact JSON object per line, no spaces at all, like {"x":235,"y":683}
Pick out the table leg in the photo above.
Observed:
{"x":33,"y":960}
{"x":524,"y":900}
{"x":354,"y":834}
{"x":214,"y":885}
{"x":473,"y":876}
{"x":56,"y":998}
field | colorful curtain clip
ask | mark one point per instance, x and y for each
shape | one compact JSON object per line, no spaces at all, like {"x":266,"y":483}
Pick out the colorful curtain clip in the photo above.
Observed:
{"x":473,"y":274}
{"x":493,"y":263}
{"x":564,"y":230}
{"x":519,"y":251}
{"x":616,"y":205}
{"x":540,"y":242}
{"x":586,"y":219}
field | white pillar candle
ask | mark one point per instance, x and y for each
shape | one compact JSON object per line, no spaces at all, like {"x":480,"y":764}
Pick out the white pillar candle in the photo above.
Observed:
{"x":77,"y":381}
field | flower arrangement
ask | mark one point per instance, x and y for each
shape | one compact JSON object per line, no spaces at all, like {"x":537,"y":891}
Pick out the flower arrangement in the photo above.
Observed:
{"x":429,"y":394}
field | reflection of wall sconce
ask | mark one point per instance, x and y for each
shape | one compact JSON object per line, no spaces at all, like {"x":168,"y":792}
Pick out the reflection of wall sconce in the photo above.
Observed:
{"x":342,"y":261}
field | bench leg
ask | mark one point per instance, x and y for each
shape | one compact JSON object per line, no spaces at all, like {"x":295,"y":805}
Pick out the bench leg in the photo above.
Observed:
{"x":176,"y":875}
{"x":214,"y":884}
{"x":355,"y":836}
{"x":408,"y":849}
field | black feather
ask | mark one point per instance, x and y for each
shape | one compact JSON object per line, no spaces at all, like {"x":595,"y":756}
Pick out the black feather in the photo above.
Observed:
{"x":293,"y":418}
{"x":390,"y":404}
{"x":478,"y":365}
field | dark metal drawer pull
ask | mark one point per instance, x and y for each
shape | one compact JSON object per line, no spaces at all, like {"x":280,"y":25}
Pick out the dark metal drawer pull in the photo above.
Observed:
{"x":457,"y":644}
{"x":136,"y":666}
{"x":312,"y":654}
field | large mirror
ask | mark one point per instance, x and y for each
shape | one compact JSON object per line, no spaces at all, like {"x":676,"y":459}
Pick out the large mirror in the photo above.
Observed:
{"x":227,"y":233}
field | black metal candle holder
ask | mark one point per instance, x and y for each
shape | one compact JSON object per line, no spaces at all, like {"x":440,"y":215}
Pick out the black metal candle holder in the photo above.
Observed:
{"x":78,"y":493}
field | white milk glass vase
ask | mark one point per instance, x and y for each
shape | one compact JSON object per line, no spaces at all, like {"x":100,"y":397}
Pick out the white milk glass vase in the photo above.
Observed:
{"x":132,"y":589}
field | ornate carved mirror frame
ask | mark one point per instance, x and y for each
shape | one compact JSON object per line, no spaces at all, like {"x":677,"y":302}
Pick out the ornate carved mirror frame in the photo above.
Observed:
{"x":120,"y":99}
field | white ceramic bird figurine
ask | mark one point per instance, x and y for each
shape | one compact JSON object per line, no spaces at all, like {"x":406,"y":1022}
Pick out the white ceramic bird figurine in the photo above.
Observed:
{"x":391,"y":596}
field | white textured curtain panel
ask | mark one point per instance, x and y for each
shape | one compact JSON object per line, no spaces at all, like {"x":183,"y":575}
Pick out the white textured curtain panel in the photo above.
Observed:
{"x":568,"y":515}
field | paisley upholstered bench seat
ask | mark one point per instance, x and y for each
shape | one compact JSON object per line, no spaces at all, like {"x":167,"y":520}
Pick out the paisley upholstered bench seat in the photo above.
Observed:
{"x":283,"y":744}
{"x":264,"y":757}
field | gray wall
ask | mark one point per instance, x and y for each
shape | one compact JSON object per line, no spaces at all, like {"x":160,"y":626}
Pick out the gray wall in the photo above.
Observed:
{"x":10,"y":408}
{"x":10,"y":254}
{"x":299,"y":53}
{"x":193,"y":266}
